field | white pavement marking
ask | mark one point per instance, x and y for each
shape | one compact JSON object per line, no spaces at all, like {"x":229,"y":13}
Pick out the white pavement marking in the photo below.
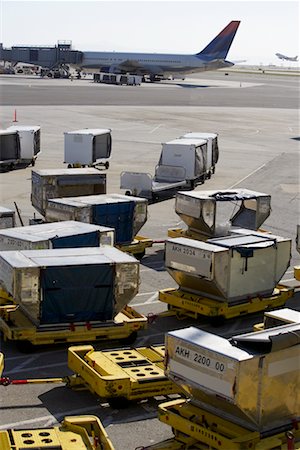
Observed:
{"x":156,"y":128}
{"x":25,"y":363}
{"x":245,"y":178}
{"x":48,"y":418}
{"x":145,"y":293}
{"x":151,"y":299}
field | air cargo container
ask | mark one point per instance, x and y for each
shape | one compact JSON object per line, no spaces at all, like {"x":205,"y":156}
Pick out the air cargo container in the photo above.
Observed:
{"x":229,"y":269}
{"x":212,"y":149}
{"x":30,"y":142}
{"x":87,"y":147}
{"x":7,"y":218}
{"x":125,"y":214}
{"x":191,"y":154}
{"x":215,"y":212}
{"x":56,"y":183}
{"x":9,"y":148}
{"x":69,"y":285}
{"x":252,"y":380}
{"x":68,"y":234}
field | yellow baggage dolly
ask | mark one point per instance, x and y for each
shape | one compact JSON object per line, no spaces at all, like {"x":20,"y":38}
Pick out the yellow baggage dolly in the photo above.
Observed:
{"x":74,"y":433}
{"x":196,"y":428}
{"x":122,"y":374}
{"x":138,"y":247}
{"x":183,"y":303}
{"x":118,"y":375}
{"x":16,"y":326}
{"x":1,"y":363}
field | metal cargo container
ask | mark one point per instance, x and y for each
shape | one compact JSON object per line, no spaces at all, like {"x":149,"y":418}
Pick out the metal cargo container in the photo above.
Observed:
{"x":88,"y":146}
{"x":214,"y":212}
{"x":252,"y":379}
{"x":70,"y":285}
{"x":7,"y":218}
{"x":191,"y":154}
{"x":30,"y":142}
{"x":9,"y":147}
{"x":124,"y":213}
{"x":229,"y":269}
{"x":56,"y":183}
{"x":212,"y":148}
{"x":69,"y":234}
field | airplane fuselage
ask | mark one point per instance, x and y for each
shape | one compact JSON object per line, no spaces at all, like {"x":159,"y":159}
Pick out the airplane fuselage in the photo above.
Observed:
{"x":150,"y":63}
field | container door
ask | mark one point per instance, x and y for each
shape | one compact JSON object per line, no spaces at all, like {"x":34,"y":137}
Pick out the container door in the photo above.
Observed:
{"x":77,"y":240}
{"x":9,"y":147}
{"x":77,"y":293}
{"x":118,"y":216}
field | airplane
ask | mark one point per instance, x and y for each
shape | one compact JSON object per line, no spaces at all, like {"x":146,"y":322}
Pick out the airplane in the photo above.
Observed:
{"x":287,"y":58}
{"x":160,"y":65}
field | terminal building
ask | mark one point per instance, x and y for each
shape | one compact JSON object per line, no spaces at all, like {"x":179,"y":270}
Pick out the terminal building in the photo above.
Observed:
{"x":50,"y":58}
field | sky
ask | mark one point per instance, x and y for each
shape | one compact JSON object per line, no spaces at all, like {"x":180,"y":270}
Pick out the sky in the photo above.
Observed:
{"x":267,"y":27}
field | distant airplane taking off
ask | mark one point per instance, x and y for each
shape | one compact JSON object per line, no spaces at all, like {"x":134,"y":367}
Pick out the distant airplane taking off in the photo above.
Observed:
{"x":161,"y":65}
{"x":287,"y":58}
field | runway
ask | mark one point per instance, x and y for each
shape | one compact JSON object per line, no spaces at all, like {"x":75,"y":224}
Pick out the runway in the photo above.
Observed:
{"x":255,"y":90}
{"x":256,"y":116}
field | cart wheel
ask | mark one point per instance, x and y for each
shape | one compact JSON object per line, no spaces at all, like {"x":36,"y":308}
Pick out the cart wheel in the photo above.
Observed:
{"x":69,"y":166}
{"x":33,"y":162}
{"x":130,"y":339}
{"x":118,"y":402}
{"x":128,"y":193}
{"x":155,"y":198}
{"x":25,"y":346}
{"x":140,"y":255}
{"x":106,"y":165}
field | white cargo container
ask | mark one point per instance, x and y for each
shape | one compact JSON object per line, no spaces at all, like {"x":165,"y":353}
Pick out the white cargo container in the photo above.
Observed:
{"x":212,"y":149}
{"x":69,"y":285}
{"x":9,"y":148}
{"x":191,"y":154}
{"x":215,"y":212}
{"x":7,"y":218}
{"x":56,"y":183}
{"x":126,"y":214}
{"x":30,"y":142}
{"x":231,"y":269}
{"x":252,"y":379}
{"x":56,"y":235}
{"x":87,"y":147}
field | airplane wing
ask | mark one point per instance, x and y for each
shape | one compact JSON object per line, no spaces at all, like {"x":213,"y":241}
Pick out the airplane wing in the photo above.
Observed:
{"x":130,"y":65}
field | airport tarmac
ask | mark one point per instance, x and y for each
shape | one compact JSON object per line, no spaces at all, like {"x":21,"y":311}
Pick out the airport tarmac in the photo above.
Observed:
{"x":256,"y":117}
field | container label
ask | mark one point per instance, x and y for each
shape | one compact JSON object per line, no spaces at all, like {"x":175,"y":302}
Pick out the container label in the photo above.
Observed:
{"x":200,"y":359}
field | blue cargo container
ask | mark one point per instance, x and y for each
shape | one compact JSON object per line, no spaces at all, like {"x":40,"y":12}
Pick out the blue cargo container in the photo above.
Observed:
{"x":67,"y":234}
{"x":126,"y":214}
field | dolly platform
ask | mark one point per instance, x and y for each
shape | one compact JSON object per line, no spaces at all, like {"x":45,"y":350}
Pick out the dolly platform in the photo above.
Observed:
{"x":192,"y":305}
{"x":17,"y":327}
{"x":196,"y":428}
{"x":126,"y":373}
{"x":137,"y":248}
{"x":75,"y":433}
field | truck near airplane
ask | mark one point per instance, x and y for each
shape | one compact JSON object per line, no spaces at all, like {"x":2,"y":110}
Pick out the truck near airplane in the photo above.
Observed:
{"x":161,"y":65}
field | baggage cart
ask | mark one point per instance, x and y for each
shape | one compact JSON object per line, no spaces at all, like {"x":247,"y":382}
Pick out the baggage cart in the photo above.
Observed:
{"x":16,"y":326}
{"x":9,"y":149}
{"x":87,"y":147}
{"x":121,"y":374}
{"x":7,"y":218}
{"x":30,"y":142}
{"x":74,"y":433}
{"x":137,"y":247}
{"x":196,"y":428}
{"x":183,"y":303}
{"x":56,"y":183}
